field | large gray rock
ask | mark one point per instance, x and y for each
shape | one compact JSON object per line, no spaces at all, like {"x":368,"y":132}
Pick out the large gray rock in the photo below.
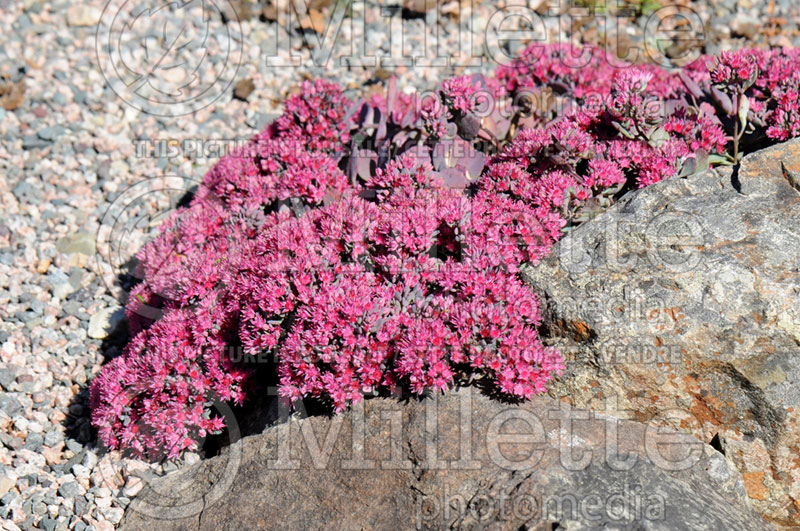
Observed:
{"x":681,"y":304}
{"x":452,"y":461}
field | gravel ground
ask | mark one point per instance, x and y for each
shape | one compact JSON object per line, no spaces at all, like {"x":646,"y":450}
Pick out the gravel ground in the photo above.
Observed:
{"x":89,"y":166}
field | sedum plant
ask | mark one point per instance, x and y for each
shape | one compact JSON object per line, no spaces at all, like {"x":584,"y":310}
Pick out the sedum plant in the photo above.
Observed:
{"x":376,"y":245}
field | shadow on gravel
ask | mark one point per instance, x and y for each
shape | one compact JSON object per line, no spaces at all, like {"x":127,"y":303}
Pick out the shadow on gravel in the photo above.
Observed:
{"x":78,"y":424}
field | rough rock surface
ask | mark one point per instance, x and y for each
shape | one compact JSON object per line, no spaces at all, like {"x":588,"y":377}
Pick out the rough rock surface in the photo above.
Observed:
{"x":681,"y":304}
{"x":451,"y":462}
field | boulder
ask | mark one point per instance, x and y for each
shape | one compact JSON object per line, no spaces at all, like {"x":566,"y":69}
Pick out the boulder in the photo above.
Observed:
{"x":680,"y":305}
{"x":462,"y":460}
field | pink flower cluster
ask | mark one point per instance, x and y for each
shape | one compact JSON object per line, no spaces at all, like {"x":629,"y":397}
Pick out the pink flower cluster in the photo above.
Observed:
{"x":459,"y":93}
{"x":316,"y":116}
{"x":609,"y":127}
{"x":774,"y":94}
{"x":376,"y":245}
{"x":153,"y":400}
{"x":405,"y":287}
{"x":768,"y":79}
{"x":734,"y":68}
{"x":583,"y":75}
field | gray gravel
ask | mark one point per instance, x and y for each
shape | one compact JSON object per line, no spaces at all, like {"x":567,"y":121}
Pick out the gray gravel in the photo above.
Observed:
{"x":71,"y":150}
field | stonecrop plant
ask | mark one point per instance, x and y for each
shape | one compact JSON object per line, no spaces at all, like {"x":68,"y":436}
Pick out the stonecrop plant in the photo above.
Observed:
{"x":376,"y":245}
